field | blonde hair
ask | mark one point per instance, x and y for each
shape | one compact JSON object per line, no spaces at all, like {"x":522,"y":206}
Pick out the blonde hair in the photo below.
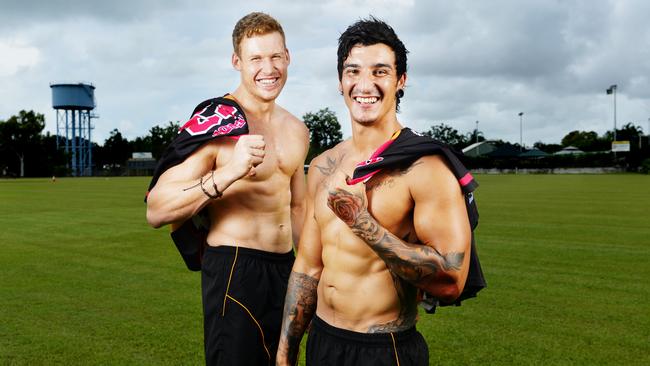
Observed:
{"x":254,"y":24}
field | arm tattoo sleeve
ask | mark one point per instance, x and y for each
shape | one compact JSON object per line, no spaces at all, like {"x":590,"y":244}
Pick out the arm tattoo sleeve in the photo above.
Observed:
{"x":412,"y":262}
{"x":409,"y":261}
{"x":299,"y":308}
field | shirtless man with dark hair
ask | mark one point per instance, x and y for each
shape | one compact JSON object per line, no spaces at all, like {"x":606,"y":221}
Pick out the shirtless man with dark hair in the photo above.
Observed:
{"x":367,"y":249}
{"x":253,"y":189}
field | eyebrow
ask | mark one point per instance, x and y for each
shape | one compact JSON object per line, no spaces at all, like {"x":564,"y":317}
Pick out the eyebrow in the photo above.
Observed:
{"x":261,"y":55}
{"x":383,"y":65}
{"x":377,"y":65}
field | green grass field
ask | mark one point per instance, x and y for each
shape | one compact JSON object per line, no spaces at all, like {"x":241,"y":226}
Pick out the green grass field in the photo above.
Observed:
{"x":84,"y":280}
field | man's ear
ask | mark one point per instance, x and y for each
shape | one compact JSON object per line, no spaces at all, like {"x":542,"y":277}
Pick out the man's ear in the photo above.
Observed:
{"x":286,"y":50}
{"x":236,"y":62}
{"x":401,"y":82}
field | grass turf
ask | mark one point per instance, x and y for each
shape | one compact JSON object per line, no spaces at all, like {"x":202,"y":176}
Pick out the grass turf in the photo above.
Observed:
{"x":84,"y":280}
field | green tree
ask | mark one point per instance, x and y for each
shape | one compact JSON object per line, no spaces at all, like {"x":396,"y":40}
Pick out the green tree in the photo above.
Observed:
{"x":628,"y":132}
{"x":475,"y":136}
{"x":324,"y":131}
{"x":19,"y":135}
{"x":52,"y":161}
{"x":638,"y":149}
{"x":161,"y":137}
{"x":448,"y":135}
{"x":116,"y":149}
{"x":583,"y":140}
{"x":548,"y":148}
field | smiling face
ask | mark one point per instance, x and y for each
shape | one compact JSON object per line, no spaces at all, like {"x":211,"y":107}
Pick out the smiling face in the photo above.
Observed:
{"x":262,"y":62}
{"x":369,"y":83}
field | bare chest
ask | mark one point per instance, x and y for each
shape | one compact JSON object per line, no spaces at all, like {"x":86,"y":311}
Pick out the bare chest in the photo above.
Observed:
{"x":389,"y":202}
{"x":280,"y":159}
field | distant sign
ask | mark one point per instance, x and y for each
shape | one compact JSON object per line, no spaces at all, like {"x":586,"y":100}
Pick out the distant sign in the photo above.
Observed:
{"x":620,"y":146}
{"x":142,"y":155}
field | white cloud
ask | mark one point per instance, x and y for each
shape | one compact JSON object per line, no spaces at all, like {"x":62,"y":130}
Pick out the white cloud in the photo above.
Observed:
{"x":16,"y":56}
{"x":153,"y":61}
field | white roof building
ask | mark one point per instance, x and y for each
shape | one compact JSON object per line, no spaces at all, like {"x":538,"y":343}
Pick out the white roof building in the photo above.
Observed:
{"x":569,"y":150}
{"x":479,"y":148}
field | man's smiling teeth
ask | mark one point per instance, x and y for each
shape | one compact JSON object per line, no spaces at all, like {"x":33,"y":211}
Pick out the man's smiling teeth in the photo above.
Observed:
{"x":267,"y":81}
{"x":369,"y":100}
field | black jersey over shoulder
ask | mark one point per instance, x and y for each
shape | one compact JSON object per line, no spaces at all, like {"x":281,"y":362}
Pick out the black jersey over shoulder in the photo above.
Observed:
{"x":404,"y":148}
{"x":211,"y":119}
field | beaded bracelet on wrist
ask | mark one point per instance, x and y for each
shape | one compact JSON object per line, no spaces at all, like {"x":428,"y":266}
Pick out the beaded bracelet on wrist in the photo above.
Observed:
{"x":205,"y":191}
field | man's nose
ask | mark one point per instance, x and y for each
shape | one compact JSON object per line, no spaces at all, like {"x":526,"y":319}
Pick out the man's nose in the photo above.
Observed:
{"x":365,"y":83}
{"x":267,"y":66}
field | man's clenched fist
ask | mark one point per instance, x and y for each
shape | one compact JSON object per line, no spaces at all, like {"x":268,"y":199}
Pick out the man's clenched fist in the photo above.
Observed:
{"x":248,"y":153}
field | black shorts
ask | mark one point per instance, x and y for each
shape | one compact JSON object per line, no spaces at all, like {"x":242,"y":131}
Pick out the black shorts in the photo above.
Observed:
{"x":243,"y":297}
{"x":328,"y":345}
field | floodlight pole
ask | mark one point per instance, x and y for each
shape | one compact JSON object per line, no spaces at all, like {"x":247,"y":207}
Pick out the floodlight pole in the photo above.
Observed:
{"x":477,"y":129}
{"x":521,"y":127}
{"x":614,"y":91}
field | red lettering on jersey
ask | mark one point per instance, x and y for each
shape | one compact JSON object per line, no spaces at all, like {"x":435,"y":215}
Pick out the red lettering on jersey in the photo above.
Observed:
{"x":200,"y":124}
{"x":226,"y":129}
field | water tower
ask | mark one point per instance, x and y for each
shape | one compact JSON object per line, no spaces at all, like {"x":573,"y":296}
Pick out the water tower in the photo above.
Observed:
{"x":73,"y":104}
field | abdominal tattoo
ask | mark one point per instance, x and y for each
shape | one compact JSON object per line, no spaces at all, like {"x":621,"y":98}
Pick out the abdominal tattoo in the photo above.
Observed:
{"x":299,"y":308}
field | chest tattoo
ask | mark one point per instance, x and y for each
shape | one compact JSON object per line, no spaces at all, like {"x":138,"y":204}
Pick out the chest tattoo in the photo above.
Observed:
{"x":330,"y":166}
{"x":387,"y":180}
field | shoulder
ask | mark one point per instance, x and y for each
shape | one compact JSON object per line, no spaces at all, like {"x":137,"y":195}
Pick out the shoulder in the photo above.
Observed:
{"x":292,"y":130}
{"x":216,"y":101}
{"x":292,"y":122}
{"x":331,"y":157}
{"x":202,"y":105}
{"x":431,"y":175}
{"x":328,"y":162}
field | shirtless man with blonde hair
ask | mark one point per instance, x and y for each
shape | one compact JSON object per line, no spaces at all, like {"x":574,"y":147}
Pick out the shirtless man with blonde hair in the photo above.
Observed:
{"x":367,"y":249}
{"x":253,"y":189}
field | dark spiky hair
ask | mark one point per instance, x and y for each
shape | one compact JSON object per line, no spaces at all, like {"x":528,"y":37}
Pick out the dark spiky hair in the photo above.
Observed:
{"x":368,"y":32}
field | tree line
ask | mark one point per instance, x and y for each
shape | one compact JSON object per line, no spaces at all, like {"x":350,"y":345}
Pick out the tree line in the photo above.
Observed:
{"x":597,"y":148}
{"x":26,"y":152}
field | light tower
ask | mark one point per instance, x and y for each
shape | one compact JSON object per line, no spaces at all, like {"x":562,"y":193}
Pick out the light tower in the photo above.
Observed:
{"x":612,"y":90}
{"x":73,"y":104}
{"x":521,"y":134}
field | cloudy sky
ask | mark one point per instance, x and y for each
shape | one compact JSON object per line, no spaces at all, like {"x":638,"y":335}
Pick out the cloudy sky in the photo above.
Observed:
{"x":153,"y":61}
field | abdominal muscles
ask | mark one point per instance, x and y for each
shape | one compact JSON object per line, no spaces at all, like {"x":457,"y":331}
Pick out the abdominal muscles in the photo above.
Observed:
{"x":254,"y":215}
{"x":357,"y":291}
